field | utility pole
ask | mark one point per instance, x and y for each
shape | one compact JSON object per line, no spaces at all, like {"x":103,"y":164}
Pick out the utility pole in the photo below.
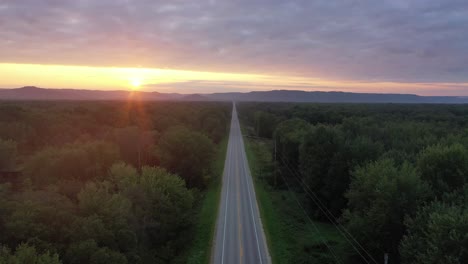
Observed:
{"x":139,"y":153}
{"x":385,"y":258}
{"x":276,"y":168}
{"x":258,"y":128}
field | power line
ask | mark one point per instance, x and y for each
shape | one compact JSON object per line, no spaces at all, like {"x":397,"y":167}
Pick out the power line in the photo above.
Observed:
{"x":325,"y":211}
{"x":328,"y":214}
{"x":312,"y":222}
{"x":301,"y":181}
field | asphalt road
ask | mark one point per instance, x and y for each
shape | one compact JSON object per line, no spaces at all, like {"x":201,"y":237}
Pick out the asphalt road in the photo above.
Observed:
{"x":239,"y":234}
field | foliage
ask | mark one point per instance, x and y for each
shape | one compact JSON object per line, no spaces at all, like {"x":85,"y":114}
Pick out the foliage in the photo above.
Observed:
{"x":27,"y":254}
{"x":371,"y":166}
{"x":324,"y":165}
{"x":265,"y":124}
{"x":380,"y":195}
{"x":179,"y":149}
{"x":438,"y":233}
{"x":167,"y":205}
{"x":8,"y":154}
{"x":290,"y":236}
{"x":91,"y":188}
{"x":135,"y":145}
{"x":444,"y":167}
{"x":200,"y":251}
{"x":81,"y":162}
{"x":288,"y":136}
{"x":39,"y":218}
{"x":214,"y":123}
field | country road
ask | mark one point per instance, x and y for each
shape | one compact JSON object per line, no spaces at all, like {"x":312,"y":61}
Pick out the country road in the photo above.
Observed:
{"x":239,"y":236}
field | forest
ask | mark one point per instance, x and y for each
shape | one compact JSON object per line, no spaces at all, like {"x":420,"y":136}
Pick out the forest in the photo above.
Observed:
{"x":108,"y":182}
{"x":361,"y":183}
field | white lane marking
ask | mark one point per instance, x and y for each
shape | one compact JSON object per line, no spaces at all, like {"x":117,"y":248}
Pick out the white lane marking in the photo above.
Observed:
{"x":227,"y":195}
{"x":255,"y":224}
{"x":248,"y":191}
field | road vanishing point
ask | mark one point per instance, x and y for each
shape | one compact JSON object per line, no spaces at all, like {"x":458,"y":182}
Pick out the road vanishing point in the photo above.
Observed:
{"x":239,"y":236}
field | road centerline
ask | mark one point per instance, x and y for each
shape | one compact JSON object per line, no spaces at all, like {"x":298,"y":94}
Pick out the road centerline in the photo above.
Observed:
{"x":238,"y":209}
{"x":239,"y":222}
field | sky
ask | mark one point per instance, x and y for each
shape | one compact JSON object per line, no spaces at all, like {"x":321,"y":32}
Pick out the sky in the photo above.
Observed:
{"x":187,"y":46}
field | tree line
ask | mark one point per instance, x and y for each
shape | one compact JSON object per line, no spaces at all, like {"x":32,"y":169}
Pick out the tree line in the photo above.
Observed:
{"x":393,"y":176}
{"x":104,"y":182}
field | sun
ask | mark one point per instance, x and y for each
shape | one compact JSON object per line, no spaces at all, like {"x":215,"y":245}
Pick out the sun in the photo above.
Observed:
{"x":136,"y":83}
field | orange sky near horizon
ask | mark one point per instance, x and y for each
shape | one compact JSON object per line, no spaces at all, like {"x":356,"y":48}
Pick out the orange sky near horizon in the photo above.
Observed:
{"x":14,"y":75}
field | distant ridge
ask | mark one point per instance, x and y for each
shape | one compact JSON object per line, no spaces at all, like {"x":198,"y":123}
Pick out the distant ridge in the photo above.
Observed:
{"x":35,"y":93}
{"x":196,"y":97}
{"x":335,"y":97}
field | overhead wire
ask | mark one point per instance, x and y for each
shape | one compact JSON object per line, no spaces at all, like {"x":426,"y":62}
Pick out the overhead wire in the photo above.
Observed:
{"x":332,"y":252}
{"x":343,"y":231}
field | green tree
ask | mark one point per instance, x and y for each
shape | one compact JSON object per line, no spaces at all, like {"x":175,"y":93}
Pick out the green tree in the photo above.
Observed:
{"x":27,"y":254}
{"x":135,"y":145}
{"x":186,"y":153}
{"x":380,"y":195}
{"x":81,"y":162}
{"x":107,"y":256}
{"x":325,"y":166}
{"x":162,"y":206}
{"x":438,"y":233}
{"x":214,"y":123}
{"x":157,"y":195}
{"x":106,"y":215}
{"x":80,"y":251}
{"x":363,"y":149}
{"x":5,"y":194}
{"x":265,"y":124}
{"x":8,"y":154}
{"x":445,"y":168}
{"x":289,"y":135}
{"x":41,"y":218}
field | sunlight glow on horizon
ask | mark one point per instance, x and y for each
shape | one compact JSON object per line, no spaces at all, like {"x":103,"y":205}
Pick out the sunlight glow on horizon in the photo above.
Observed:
{"x":136,"y":83}
{"x":16,"y":75}
{"x":108,"y":78}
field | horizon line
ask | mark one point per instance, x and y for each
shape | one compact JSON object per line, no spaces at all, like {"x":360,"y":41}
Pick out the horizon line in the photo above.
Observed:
{"x":227,"y":92}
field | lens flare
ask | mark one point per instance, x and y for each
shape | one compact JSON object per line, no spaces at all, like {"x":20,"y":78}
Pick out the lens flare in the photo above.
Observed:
{"x":136,"y":84}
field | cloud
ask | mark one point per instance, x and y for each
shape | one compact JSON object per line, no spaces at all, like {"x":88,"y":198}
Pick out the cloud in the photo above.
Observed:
{"x":408,"y":41}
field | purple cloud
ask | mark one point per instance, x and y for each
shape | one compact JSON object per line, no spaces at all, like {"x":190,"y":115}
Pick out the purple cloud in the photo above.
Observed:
{"x":407,"y":41}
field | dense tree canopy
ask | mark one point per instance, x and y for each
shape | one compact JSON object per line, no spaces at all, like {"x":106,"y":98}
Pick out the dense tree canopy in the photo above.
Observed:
{"x":444,"y":167}
{"x":437,"y":234}
{"x":289,"y":135}
{"x":8,"y":154}
{"x":84,"y":183}
{"x":369,"y":167}
{"x":179,"y":149}
{"x":78,"y":161}
{"x":324,"y":165}
{"x":27,"y":254}
{"x":265,"y":124}
{"x":380,"y":195}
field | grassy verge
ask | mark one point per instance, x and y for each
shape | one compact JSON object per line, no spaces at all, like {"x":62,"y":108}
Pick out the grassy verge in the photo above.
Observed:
{"x":275,"y":239}
{"x":290,"y":236}
{"x":200,"y":251}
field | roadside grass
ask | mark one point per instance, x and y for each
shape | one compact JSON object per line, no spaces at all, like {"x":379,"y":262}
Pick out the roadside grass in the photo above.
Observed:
{"x":200,"y":250}
{"x":291,"y":237}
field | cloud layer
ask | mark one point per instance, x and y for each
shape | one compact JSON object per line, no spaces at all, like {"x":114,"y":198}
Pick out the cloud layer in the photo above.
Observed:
{"x":398,"y":40}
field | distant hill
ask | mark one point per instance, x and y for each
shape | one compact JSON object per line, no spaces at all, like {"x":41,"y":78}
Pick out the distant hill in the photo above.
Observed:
{"x":196,"y":97}
{"x":334,"y":97}
{"x":35,"y":93}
